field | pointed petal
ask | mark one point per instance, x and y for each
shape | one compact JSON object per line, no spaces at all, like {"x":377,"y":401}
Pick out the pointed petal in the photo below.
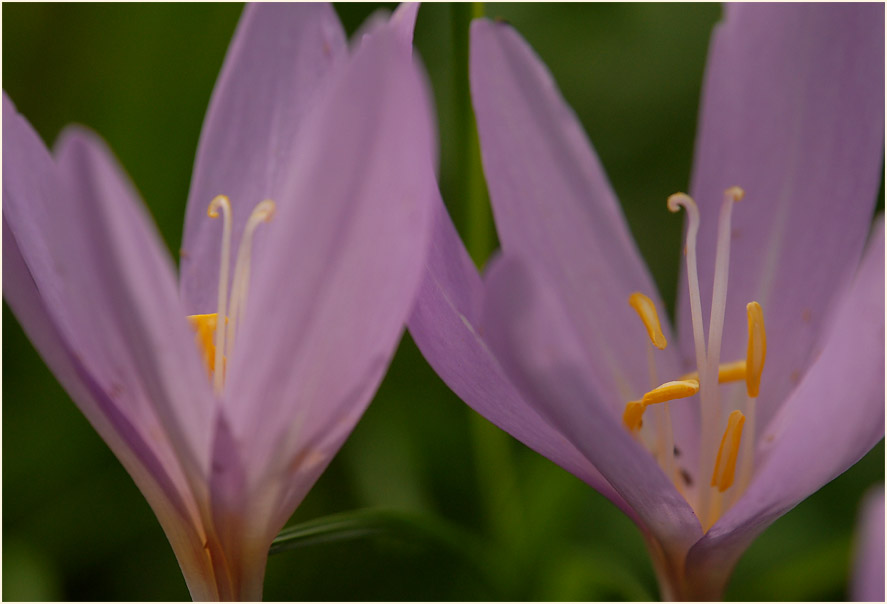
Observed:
{"x":793,"y":112}
{"x":100,"y":274}
{"x":828,"y":423}
{"x":538,"y":347}
{"x":868,"y":577}
{"x":445,"y":324}
{"x":140,"y":343}
{"x":552,"y":201}
{"x":345,"y":255}
{"x":277,"y":60}
{"x":404,"y":20}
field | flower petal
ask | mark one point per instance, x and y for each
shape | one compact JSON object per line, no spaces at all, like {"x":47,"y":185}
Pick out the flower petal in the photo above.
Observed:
{"x":404,"y":20}
{"x":104,"y":414}
{"x":132,"y":324}
{"x":868,"y":577}
{"x":36,"y":280}
{"x":445,"y":325}
{"x":829,"y":422}
{"x":793,"y":112}
{"x":277,"y":60}
{"x":97,"y":267}
{"x":552,"y":202}
{"x":345,"y":253}
{"x":539,"y":349}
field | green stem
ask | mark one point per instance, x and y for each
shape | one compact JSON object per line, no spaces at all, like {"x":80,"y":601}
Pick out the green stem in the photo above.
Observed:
{"x":496,"y":475}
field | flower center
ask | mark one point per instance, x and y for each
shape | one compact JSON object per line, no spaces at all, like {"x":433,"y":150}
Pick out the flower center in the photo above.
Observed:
{"x":718,"y":462}
{"x":214,"y":338}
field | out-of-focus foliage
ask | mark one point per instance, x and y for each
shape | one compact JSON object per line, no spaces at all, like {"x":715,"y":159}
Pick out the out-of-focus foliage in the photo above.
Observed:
{"x":75,"y":526}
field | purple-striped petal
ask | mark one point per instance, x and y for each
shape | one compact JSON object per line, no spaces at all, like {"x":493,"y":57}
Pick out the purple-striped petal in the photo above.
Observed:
{"x":867,"y":583}
{"x":828,"y":423}
{"x":345,"y":253}
{"x":793,"y":112}
{"x":533,"y":338}
{"x":445,"y":324}
{"x":277,"y":61}
{"x":552,"y":202}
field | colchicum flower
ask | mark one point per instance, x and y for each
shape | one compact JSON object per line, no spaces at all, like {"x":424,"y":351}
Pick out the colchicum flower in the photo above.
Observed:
{"x":693,"y":437}
{"x":867,"y":582}
{"x":313,"y":160}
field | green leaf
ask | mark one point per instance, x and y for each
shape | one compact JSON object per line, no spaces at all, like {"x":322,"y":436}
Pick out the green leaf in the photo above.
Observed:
{"x":360,"y":524}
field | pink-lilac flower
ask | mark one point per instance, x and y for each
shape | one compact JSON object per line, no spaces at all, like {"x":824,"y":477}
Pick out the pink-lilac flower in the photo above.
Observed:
{"x":867,"y":582}
{"x":317,"y":158}
{"x":548,"y":347}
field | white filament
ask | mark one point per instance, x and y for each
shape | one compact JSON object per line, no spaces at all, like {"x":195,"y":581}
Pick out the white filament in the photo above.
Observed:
{"x":708,"y":413}
{"x":748,"y":447}
{"x":223,"y":203}
{"x":662,"y":418}
{"x":675,"y":202}
{"x":261,"y":213}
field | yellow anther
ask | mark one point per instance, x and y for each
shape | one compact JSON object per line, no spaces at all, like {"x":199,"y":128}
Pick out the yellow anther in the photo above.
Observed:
{"x":647,"y":312}
{"x":757,"y":348}
{"x":204,"y":329}
{"x":736,"y":193}
{"x":633,"y":416}
{"x":727,"y":372}
{"x":731,"y":372}
{"x":670,"y":391}
{"x":725,"y":464}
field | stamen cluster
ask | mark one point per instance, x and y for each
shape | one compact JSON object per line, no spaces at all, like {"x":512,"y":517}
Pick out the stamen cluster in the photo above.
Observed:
{"x":215,"y":339}
{"x":719,"y":462}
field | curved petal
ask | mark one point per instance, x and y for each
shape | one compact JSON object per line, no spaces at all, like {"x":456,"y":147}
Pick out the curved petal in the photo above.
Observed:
{"x":131,"y":322}
{"x":404,"y":20}
{"x":828,"y":423}
{"x":552,"y":202}
{"x":445,"y":324}
{"x":106,"y":281}
{"x":277,"y":61}
{"x":532,"y":337}
{"x":793,"y":112}
{"x":346,"y":250}
{"x":868,"y":577}
{"x":39,"y":282}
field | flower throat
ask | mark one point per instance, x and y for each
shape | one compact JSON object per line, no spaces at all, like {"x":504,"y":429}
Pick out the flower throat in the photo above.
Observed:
{"x":718,"y":462}
{"x":214,"y":337}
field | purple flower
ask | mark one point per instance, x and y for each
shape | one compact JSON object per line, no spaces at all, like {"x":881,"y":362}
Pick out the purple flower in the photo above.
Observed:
{"x":548,"y":347}
{"x":868,"y":578}
{"x":317,"y":160}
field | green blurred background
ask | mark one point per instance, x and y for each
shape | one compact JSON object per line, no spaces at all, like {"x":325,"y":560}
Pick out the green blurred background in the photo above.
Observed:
{"x":74,"y":525}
